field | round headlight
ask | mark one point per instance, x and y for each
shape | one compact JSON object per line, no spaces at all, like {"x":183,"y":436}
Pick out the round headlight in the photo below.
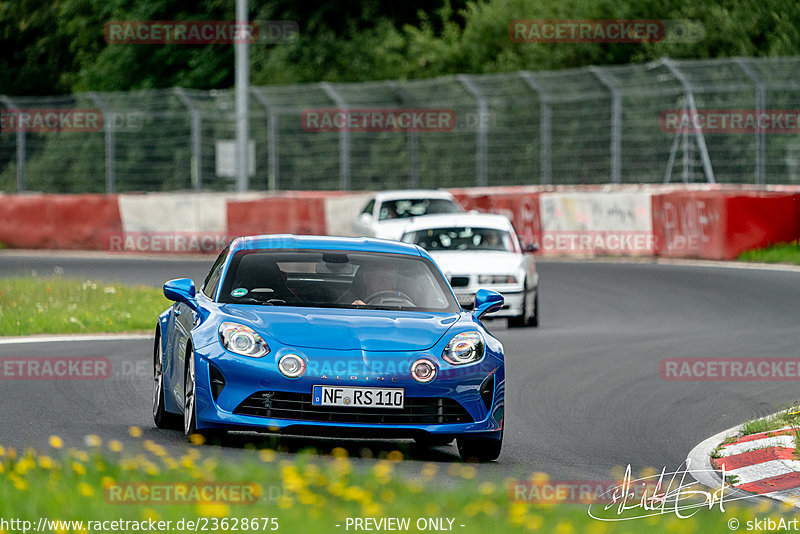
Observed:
{"x":423,"y":371}
{"x":464,"y":348}
{"x":292,"y":365}
{"x":241,"y":339}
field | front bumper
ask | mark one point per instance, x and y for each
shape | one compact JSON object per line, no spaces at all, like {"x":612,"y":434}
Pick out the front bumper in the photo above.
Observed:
{"x":461,"y":400}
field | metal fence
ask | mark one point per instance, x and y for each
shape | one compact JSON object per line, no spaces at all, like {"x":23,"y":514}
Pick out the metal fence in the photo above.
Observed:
{"x":575,"y":126}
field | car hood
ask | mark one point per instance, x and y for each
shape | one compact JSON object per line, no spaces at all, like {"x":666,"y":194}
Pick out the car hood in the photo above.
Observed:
{"x":391,"y":228}
{"x":480,"y":262}
{"x":345,"y":329}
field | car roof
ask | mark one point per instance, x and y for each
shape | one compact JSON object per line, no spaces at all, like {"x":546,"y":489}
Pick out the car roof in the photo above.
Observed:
{"x":318,"y":242}
{"x":413,"y":193}
{"x":482,"y":220}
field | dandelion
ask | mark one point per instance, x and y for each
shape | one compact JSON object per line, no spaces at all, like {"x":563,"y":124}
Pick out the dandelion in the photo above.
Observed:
{"x":79,"y":468}
{"x":213,"y":509}
{"x":85,"y":489}
{"x":115,"y":445}
{"x":135,"y":431}
{"x":56,"y":442}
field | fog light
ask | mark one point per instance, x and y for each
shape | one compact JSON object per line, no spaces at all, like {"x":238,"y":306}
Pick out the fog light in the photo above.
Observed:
{"x":292,"y":365}
{"x":423,"y":371}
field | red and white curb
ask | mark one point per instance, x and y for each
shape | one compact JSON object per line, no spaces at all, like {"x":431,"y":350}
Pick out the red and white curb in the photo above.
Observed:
{"x":763,"y":464}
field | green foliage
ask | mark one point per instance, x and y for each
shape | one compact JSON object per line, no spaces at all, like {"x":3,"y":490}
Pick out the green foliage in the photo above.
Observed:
{"x":781,"y":253}
{"x":58,"y":46}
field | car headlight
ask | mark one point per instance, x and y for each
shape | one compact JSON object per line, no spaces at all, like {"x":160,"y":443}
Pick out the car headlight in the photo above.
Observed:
{"x":497,"y":279}
{"x":241,"y":339}
{"x":464,"y":348}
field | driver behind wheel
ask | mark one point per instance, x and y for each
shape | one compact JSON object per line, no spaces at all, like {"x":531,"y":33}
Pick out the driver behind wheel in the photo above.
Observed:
{"x":371,"y":280}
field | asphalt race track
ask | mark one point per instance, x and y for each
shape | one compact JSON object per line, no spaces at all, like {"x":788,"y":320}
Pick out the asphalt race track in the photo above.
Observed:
{"x":584,"y":391}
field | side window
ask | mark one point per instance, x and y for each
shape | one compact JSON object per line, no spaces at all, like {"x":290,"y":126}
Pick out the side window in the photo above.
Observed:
{"x":369,"y":207}
{"x":212,"y":280}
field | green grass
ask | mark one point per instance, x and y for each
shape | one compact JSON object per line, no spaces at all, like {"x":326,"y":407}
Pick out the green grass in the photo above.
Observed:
{"x":307,"y":493}
{"x":782,"y":253}
{"x":788,"y":417}
{"x":60,"y":306}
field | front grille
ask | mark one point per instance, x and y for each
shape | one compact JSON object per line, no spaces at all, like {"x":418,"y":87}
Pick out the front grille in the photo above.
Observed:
{"x":459,"y":281}
{"x":417,"y":410}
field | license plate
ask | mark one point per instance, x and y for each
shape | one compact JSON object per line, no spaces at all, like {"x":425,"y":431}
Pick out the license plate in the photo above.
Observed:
{"x":354,"y":397}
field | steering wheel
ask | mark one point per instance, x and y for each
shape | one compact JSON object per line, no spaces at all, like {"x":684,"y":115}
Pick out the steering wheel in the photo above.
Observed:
{"x":389,"y":295}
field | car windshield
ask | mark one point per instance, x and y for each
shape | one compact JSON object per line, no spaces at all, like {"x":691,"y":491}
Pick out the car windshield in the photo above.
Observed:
{"x":460,"y":238}
{"x":336,"y":279}
{"x":414,"y":207}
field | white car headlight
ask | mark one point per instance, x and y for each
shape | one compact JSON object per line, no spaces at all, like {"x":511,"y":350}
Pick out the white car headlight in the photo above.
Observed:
{"x":241,"y":339}
{"x":464,"y":348}
{"x":497,"y":279}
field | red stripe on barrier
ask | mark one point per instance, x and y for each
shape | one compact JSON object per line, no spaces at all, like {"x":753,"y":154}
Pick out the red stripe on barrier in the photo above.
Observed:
{"x":759,"y":456}
{"x":762,"y":435}
{"x":720,"y":225}
{"x":302,"y":214}
{"x":768,"y":485}
{"x":58,"y":221}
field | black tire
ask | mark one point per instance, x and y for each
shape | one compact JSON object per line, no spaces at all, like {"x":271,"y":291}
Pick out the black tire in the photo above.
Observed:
{"x":193,"y":435}
{"x":534,"y":320}
{"x":480,"y":449}
{"x":520,"y":320}
{"x":161,"y":417}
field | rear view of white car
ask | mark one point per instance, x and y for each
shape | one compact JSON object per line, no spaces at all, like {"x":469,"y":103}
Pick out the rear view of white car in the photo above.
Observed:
{"x":387,"y":214}
{"x":482,"y":251}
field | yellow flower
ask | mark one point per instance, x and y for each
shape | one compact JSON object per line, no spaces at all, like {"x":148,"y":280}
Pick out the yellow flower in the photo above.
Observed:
{"x":266,"y":455}
{"x":395,"y":456}
{"x":135,"y":431}
{"x":85,"y":489}
{"x":213,"y":509}
{"x":56,"y":442}
{"x":78,"y":468}
{"x":115,"y":445}
{"x":339,"y":452}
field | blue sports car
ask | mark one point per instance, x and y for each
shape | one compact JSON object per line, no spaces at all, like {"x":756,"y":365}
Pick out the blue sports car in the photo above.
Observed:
{"x":330,"y":336}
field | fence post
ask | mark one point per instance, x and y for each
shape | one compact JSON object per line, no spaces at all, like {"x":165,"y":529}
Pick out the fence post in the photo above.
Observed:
{"x":344,"y":138}
{"x":21,"y":187}
{"x":761,"y":145}
{"x":545,"y":129}
{"x":108,"y":129}
{"x":197,"y":168}
{"x":692,"y":106}
{"x":616,"y":123}
{"x":413,"y":140}
{"x":272,"y":141}
{"x":481,"y":154}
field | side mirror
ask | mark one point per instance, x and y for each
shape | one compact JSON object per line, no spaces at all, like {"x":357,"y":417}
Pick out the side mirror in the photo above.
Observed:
{"x":181,"y":290}
{"x":487,"y":301}
{"x":531,"y":248}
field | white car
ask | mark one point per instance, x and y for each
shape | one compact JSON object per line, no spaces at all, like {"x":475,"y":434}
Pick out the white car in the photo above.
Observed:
{"x":387,"y":213}
{"x":477,"y":251}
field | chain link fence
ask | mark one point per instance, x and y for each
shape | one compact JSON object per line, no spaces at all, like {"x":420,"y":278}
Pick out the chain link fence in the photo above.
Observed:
{"x":577,"y":126}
